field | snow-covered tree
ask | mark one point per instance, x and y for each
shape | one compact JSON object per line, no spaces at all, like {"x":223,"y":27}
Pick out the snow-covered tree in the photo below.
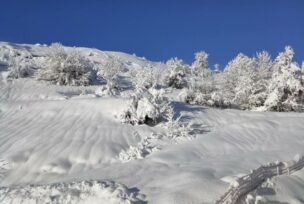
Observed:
{"x":110,"y":71}
{"x":146,"y":77}
{"x":285,"y":92}
{"x":261,"y":78}
{"x":200,"y":65}
{"x":177,"y":70}
{"x":238,"y":79}
{"x":67,"y":67}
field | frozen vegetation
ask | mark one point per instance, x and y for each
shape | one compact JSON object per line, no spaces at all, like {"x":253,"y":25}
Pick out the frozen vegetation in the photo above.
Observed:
{"x":80,"y":125}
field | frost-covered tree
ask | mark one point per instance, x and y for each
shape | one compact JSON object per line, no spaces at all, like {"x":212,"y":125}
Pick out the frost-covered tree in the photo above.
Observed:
{"x":175,"y":76}
{"x":265,"y":65}
{"x":146,"y":77}
{"x":261,"y":78}
{"x":67,"y":67}
{"x":199,"y":92}
{"x":200,"y":65}
{"x":285,"y":92}
{"x":238,"y":79}
{"x":110,"y":71}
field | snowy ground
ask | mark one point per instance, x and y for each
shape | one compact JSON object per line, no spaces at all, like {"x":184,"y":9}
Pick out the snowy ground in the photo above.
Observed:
{"x":60,"y":136}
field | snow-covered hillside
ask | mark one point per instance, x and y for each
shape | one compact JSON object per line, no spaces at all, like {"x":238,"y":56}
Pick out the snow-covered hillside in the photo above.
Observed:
{"x":127,"y":136}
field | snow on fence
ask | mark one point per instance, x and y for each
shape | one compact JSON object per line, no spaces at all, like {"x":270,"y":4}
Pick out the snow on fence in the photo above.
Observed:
{"x":251,"y":181}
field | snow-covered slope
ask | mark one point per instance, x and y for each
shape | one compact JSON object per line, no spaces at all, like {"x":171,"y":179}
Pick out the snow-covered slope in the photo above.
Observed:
{"x":54,"y":135}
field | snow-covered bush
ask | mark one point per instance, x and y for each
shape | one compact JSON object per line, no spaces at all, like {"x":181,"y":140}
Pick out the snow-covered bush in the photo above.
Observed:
{"x":146,"y":77}
{"x":67,"y":67}
{"x":146,"y":107}
{"x":19,"y":62}
{"x":176,"y":74}
{"x":110,"y":71}
{"x":203,"y":84}
{"x":20,"y":68}
{"x":286,"y":88}
{"x":8,"y":54}
{"x":199,"y":92}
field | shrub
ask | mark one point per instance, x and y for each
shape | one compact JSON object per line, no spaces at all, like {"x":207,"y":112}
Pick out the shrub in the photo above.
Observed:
{"x":146,"y":107}
{"x":67,"y":67}
{"x":20,"y":68}
{"x":109,"y":71}
{"x":175,"y":128}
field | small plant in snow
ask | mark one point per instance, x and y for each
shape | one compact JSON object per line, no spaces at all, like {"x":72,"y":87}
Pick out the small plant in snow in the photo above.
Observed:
{"x":175,"y":128}
{"x":67,"y":67}
{"x":143,"y":148}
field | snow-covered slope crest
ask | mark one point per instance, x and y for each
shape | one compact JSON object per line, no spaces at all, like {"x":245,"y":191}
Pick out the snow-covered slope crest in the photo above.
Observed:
{"x":75,"y":192}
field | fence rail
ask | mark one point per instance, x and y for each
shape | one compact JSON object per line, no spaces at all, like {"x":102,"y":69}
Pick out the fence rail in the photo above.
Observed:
{"x":251,"y":181}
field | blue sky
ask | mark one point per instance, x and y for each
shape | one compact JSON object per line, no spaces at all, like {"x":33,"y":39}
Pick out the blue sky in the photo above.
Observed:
{"x":159,"y":29}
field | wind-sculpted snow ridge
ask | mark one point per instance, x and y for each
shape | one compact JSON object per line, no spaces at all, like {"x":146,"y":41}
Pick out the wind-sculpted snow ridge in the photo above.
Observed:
{"x":248,"y":183}
{"x":74,"y":192}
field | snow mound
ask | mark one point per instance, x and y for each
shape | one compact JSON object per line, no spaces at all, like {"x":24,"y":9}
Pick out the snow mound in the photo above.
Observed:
{"x":75,"y":192}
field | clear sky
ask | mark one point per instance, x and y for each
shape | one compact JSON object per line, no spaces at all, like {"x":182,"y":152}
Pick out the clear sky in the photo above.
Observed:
{"x":159,"y":29}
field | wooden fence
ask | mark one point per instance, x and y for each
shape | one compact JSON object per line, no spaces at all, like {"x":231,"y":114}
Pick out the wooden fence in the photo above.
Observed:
{"x":251,"y":181}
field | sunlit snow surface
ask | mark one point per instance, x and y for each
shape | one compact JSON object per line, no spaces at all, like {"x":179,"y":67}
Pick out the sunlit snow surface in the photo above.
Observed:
{"x":53,"y":136}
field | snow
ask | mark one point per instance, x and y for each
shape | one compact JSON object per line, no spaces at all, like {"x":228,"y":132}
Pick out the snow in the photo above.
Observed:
{"x":74,"y":192}
{"x":55,"y":139}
